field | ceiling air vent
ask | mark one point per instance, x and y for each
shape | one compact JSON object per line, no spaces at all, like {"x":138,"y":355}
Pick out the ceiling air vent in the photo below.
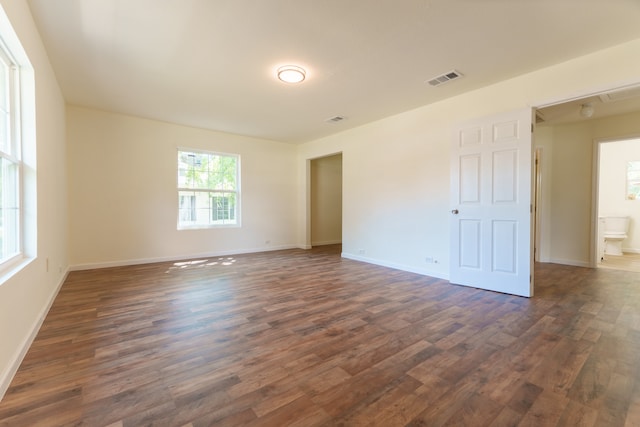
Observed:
{"x":335,"y":119}
{"x":444,"y":78}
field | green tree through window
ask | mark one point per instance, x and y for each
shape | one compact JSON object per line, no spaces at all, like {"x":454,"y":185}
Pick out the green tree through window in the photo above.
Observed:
{"x":208,"y":189}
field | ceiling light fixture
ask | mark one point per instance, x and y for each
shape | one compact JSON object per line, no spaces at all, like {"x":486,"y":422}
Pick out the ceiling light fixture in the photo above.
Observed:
{"x":291,"y":74}
{"x":586,"y":110}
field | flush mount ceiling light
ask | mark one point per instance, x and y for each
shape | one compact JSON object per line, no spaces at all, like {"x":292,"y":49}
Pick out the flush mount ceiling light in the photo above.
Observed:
{"x":291,"y":74}
{"x":586,"y":110}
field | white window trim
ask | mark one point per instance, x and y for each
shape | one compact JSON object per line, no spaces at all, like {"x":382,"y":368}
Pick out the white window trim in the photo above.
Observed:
{"x":24,"y":141}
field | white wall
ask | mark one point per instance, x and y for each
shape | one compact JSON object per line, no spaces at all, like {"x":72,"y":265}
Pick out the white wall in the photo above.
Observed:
{"x":25,"y":297}
{"x":612,"y":200}
{"x":326,"y":200}
{"x":396,"y":170}
{"x":123,"y":197}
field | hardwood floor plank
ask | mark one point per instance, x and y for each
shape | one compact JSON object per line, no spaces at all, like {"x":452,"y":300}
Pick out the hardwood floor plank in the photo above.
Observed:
{"x":476,"y":411}
{"x":545,"y":411}
{"x":506,"y":418}
{"x":576,"y":414}
{"x":377,"y":412}
{"x":633,"y":413}
{"x":524,"y":397}
{"x":591,"y":384}
{"x":307,"y":338}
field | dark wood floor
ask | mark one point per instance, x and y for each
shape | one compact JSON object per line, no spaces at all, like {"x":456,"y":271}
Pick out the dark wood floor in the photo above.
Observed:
{"x":305,"y":338}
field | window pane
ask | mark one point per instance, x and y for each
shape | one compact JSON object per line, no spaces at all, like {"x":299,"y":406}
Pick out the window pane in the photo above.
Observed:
{"x":633,"y":180}
{"x":229,"y":169}
{"x":4,"y":108}
{"x":182,"y":177}
{"x":201,"y":209}
{"x":192,"y":170}
{"x":186,"y":207}
{"x":224,"y":208}
{"x":200,"y":171}
{"x":9,"y":209}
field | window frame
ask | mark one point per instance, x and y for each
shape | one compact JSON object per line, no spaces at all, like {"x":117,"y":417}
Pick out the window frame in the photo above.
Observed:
{"x":212,"y":192}
{"x":12,"y":153}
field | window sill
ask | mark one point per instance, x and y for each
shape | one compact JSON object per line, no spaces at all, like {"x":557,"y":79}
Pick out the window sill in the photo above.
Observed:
{"x":13,"y":266}
{"x":206,"y":227}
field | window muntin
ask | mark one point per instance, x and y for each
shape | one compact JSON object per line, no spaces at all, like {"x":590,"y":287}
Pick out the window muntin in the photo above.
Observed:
{"x":208,"y":189}
{"x":10,"y":159}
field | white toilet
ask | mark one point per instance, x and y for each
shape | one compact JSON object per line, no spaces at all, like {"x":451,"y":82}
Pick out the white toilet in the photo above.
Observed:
{"x":615,"y":231}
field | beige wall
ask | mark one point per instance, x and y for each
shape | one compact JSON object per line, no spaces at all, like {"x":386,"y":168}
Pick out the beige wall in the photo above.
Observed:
{"x":326,"y":200}
{"x":123,"y":197}
{"x":396,"y":196}
{"x":25,"y":297}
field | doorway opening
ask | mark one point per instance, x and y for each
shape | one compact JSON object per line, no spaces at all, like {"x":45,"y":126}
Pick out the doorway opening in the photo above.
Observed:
{"x":325,"y":200}
{"x":571,"y":134}
{"x":617,"y":204}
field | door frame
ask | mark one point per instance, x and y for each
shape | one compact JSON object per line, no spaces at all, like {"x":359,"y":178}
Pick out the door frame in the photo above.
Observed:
{"x":595,"y":193}
{"x":311,"y":193}
{"x":537,"y":198}
{"x":612,"y":87}
{"x":308,"y":196}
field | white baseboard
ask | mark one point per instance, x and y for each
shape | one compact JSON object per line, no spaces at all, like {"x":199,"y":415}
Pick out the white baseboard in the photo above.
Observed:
{"x":326,"y":242}
{"x":630,"y":251}
{"x":138,"y":261}
{"x":410,"y":269}
{"x":10,"y":372}
{"x":570,"y":262}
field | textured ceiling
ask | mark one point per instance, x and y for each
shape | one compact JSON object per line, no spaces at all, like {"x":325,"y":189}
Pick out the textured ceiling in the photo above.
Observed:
{"x":211,"y":63}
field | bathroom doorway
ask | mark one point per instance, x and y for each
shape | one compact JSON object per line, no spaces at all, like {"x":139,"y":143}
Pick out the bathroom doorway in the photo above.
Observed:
{"x":618,"y":204}
{"x":570,"y":133}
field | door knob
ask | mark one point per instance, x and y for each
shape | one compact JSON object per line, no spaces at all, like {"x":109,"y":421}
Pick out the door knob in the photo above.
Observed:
{"x":454,"y":211}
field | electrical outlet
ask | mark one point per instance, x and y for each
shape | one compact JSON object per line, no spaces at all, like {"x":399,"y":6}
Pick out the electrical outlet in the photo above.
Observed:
{"x":429,"y":260}
{"x":361,"y":252}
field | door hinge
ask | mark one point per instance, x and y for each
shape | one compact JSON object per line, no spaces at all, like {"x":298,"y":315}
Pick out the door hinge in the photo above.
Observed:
{"x":531,"y":127}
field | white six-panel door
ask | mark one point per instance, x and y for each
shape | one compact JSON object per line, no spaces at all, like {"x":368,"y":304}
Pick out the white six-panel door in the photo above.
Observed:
{"x":491,"y":204}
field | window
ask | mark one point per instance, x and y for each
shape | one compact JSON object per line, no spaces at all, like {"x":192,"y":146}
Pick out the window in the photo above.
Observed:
{"x":208,"y":189}
{"x":633,"y":180}
{"x":10,"y":158}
